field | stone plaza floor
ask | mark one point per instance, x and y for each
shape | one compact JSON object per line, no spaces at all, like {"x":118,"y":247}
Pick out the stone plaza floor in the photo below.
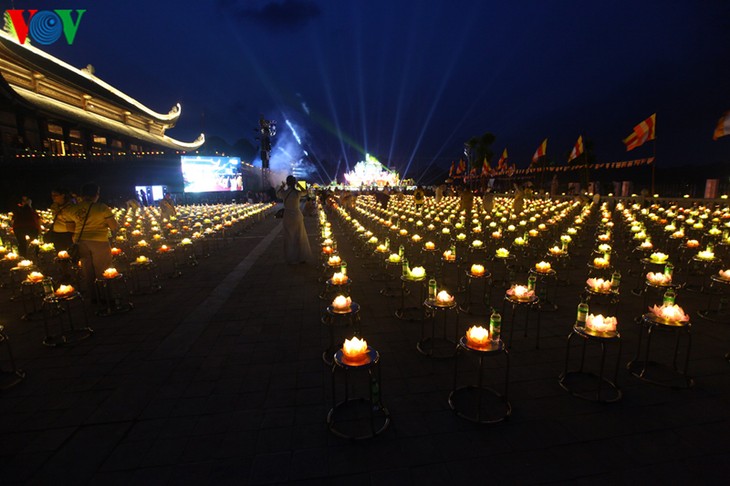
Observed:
{"x":219,"y":379}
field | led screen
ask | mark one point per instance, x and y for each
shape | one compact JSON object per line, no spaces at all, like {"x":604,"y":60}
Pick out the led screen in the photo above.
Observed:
{"x":211,"y":174}
{"x":151,"y":193}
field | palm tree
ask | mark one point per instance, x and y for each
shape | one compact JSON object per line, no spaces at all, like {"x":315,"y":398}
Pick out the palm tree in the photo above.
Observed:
{"x":478,"y":148}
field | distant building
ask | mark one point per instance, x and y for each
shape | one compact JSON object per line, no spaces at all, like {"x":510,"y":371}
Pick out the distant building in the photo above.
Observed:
{"x":51,"y":109}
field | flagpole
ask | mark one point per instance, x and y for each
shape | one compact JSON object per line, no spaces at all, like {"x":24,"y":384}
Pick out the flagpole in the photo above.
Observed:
{"x":653,"y":168}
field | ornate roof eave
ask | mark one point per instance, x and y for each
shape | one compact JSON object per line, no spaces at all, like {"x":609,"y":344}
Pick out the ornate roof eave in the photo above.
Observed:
{"x":67,"y":111}
{"x":84,"y":80}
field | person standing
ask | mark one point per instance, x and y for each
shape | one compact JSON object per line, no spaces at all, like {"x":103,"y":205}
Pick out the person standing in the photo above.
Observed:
{"x":60,"y":208}
{"x":26,"y":224}
{"x":296,"y":242}
{"x":167,"y":207}
{"x":92,"y":221}
{"x":419,"y":198}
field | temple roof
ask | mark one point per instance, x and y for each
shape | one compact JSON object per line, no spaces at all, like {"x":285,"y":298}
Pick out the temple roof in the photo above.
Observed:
{"x":50,"y":84}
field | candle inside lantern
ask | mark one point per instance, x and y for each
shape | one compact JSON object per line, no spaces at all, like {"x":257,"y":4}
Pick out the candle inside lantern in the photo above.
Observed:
{"x":394,"y":258}
{"x":658,"y":257}
{"x":672,"y":313}
{"x":339,"y":278}
{"x":111,"y":273}
{"x":116,"y":251}
{"x":142,"y":259}
{"x":63,"y":255}
{"x":35,"y":277}
{"x":444,"y":297}
{"x":706,"y":255}
{"x":520,"y":292}
{"x":164,"y":249}
{"x":601,"y":324}
{"x":725,"y":274}
{"x":418,"y":272}
{"x":449,"y":256}
{"x":327,"y":250}
{"x":341,"y":303}
{"x":599,"y":285}
{"x":478,"y":337}
{"x":24,"y":263}
{"x":543,"y":267}
{"x":355,"y":349}
{"x":334,"y":260}
{"x":658,"y":278}
{"x":381,"y":248}
{"x":63,"y":290}
{"x":600,"y":262}
{"x":556,"y":250}
{"x":477,"y":243}
{"x":477,"y":270}
{"x":502,"y":252}
{"x":693,"y":243}
{"x":430,"y":245}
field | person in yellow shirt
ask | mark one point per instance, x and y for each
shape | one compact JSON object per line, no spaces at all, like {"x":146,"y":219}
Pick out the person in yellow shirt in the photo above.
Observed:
{"x":92,"y":222}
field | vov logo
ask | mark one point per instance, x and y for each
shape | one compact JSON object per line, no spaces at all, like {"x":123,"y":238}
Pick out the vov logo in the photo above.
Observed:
{"x":45,"y":27}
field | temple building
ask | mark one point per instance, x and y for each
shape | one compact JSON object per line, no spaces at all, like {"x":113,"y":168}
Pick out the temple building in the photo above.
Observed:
{"x":51,"y":109}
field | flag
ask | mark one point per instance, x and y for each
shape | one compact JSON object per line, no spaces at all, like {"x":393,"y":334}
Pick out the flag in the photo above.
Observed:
{"x":461,"y":169}
{"x":577,"y":150}
{"x":723,"y":126}
{"x":486,"y":168}
{"x":451,"y":170}
{"x":502,"y":164}
{"x":540,"y":152}
{"x":643,"y":132}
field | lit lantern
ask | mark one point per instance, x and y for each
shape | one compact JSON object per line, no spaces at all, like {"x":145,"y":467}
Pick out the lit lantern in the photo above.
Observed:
{"x":646,"y":245}
{"x":671,"y":313}
{"x":64,"y":290}
{"x":341,"y":303}
{"x":25,"y":264}
{"x":556,"y":251}
{"x":416,"y":238}
{"x":63,"y":255}
{"x":725,"y":274}
{"x":327,"y":250}
{"x":444,"y":298}
{"x":601,"y":324}
{"x":116,"y":251}
{"x":477,"y":243}
{"x":692,"y":243}
{"x":477,"y":270}
{"x":478,"y":337}
{"x":142,"y":259}
{"x":355,"y":349}
{"x":706,"y":255}
{"x":658,"y":278}
{"x":599,"y":285}
{"x":418,"y":272}
{"x":542,"y":267}
{"x":381,"y":248}
{"x":339,"y":278}
{"x":334,"y":261}
{"x":164,"y":249}
{"x":658,"y":257}
{"x":35,"y":277}
{"x":110,"y":273}
{"x":502,"y":253}
{"x":394,"y":258}
{"x":600,"y":262}
{"x":449,"y":256}
{"x":520,"y":292}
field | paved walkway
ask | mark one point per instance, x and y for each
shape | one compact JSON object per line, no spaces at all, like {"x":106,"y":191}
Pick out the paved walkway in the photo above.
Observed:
{"x":218,"y":379}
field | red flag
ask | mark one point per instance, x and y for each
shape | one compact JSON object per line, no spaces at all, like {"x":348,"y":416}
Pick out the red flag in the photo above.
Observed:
{"x":451,"y":170}
{"x":643,"y":132}
{"x":502,"y":164}
{"x":540,"y":152}
{"x":462,"y":167}
{"x":486,"y":168}
{"x":577,"y":150}
{"x":723,"y":126}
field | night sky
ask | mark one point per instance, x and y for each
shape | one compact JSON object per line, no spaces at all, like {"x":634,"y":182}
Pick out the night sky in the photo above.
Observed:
{"x":411,"y":81}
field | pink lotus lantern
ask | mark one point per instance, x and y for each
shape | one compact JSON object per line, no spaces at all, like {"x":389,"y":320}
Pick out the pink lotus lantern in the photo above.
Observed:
{"x":520,"y":292}
{"x":692,"y":244}
{"x":35,"y":277}
{"x":725,"y":274}
{"x":599,"y":285}
{"x":477,"y":337}
{"x":658,"y":278}
{"x":116,"y":251}
{"x":63,"y":255}
{"x":110,"y":273}
{"x":341,"y":303}
{"x":670,"y":313}
{"x":601,"y":324}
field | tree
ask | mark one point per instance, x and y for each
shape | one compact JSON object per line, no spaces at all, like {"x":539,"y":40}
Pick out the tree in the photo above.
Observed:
{"x":477,"y":149}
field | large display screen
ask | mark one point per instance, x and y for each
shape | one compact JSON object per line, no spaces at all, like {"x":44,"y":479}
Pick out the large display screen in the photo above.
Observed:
{"x":211,"y":174}
{"x":149,"y":194}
